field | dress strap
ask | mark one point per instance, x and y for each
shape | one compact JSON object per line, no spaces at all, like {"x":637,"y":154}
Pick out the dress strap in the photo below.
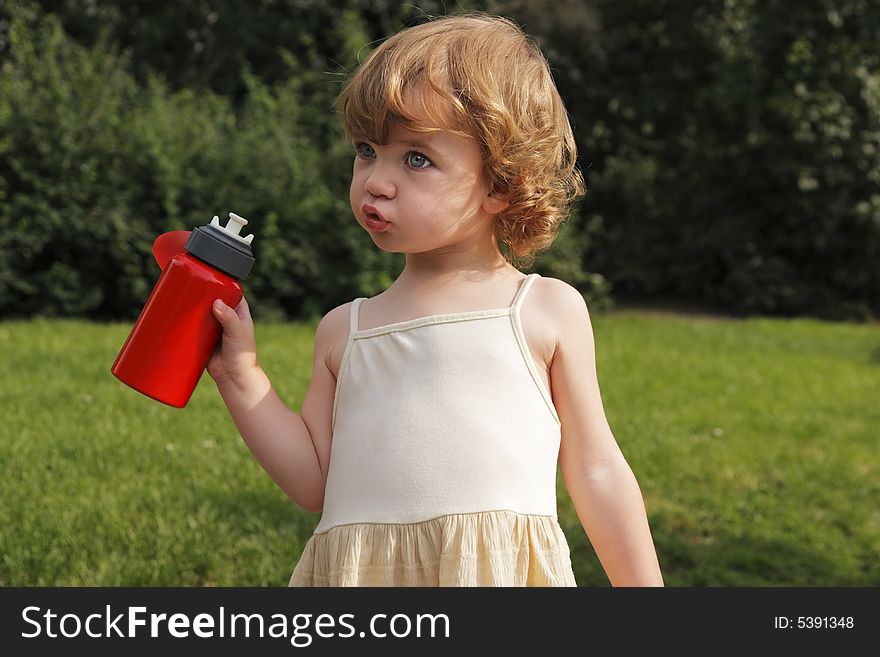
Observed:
{"x":354,"y":315}
{"x":516,"y":322}
{"x":521,"y":293}
{"x":353,"y":327}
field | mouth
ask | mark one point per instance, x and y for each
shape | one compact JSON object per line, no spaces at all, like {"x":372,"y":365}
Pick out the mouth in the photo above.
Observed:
{"x":374,"y":219}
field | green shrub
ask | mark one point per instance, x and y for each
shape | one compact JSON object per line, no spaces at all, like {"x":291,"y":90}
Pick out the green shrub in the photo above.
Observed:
{"x":67,"y":246}
{"x":94,"y":165}
{"x":737,"y":148}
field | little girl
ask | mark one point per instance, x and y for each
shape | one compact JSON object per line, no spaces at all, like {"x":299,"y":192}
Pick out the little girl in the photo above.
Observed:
{"x":438,"y":410}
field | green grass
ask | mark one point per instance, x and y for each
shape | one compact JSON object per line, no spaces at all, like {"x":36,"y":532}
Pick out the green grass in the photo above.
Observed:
{"x":755,"y":444}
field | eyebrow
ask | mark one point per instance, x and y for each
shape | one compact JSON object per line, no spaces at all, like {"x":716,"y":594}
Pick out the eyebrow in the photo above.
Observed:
{"x":417,"y":143}
{"x":409,"y":142}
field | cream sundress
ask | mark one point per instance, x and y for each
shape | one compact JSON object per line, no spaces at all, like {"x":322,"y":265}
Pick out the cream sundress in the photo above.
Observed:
{"x":443,"y":459}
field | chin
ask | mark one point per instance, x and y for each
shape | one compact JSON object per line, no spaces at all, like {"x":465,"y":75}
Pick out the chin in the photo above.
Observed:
{"x":379,"y":242}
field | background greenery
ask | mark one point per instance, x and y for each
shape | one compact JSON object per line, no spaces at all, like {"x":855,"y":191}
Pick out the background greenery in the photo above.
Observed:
{"x":732,"y":152}
{"x":754,"y":443}
{"x":732,"y":148}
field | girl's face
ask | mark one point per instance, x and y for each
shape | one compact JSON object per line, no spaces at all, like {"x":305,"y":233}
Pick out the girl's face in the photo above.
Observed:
{"x":421,"y":191}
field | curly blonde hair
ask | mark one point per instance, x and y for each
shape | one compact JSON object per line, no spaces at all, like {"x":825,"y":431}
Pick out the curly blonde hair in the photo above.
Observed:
{"x":501,"y":92}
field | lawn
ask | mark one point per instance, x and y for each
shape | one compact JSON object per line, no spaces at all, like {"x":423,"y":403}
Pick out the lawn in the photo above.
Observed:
{"x":755,"y":443}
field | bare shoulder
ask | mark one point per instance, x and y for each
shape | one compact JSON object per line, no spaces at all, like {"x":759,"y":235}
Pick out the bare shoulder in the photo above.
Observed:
{"x":331,"y":336}
{"x":562,"y":312}
{"x":560,"y":296}
{"x":559,"y":304}
{"x":549,"y":309}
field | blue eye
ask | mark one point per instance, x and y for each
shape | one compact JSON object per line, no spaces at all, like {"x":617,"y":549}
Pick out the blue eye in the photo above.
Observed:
{"x":417,"y":160}
{"x":364,"y":150}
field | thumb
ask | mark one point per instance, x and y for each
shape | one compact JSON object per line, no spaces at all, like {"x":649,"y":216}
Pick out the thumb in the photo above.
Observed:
{"x":227,"y":317}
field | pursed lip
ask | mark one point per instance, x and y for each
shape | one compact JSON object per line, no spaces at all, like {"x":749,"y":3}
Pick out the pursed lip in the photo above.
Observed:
{"x":371,"y":211}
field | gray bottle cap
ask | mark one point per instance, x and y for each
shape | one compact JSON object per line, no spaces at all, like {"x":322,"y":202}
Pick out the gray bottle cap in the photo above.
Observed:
{"x":223,"y":247}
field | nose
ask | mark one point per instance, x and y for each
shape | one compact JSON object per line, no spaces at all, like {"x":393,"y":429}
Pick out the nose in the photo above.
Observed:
{"x":380,"y":181}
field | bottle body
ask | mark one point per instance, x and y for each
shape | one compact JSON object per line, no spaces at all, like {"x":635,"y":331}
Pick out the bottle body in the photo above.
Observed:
{"x":176,"y":333}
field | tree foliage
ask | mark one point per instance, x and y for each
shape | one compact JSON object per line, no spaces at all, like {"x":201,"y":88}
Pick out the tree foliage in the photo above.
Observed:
{"x":731,"y":148}
{"x":735,"y":147}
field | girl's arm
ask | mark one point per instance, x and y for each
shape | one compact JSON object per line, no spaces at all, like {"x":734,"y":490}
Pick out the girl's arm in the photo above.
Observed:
{"x":600,"y":482}
{"x":292,"y":448}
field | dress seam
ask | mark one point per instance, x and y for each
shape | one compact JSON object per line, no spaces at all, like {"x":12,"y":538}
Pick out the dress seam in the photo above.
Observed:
{"x":444,"y":318}
{"x":553,"y":517}
{"x":430,"y":320}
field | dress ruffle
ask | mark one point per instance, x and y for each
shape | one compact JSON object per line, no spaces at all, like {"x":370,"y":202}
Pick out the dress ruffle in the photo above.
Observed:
{"x":494,"y":548}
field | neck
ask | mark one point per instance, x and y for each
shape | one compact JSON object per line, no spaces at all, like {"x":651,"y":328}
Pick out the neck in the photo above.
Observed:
{"x":468,"y":261}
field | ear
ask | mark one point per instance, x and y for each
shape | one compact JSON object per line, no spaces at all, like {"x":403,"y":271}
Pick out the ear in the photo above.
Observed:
{"x":495,"y":202}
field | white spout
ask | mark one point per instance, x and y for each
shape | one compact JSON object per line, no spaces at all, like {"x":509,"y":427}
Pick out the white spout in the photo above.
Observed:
{"x":233,"y":227}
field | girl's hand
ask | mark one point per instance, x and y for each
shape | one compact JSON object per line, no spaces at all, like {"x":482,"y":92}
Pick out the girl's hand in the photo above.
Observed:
{"x":236,"y":351}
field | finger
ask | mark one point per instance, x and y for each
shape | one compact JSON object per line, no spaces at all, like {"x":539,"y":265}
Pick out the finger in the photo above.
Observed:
{"x":243,"y":310}
{"x":244,"y":314}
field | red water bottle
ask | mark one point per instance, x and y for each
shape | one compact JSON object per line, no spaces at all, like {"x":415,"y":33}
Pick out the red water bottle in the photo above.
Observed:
{"x":176,"y":333}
